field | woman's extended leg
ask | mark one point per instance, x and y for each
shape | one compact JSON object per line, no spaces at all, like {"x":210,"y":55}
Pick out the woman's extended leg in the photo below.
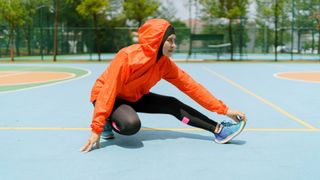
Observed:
{"x":126,"y":121}
{"x":155,"y":103}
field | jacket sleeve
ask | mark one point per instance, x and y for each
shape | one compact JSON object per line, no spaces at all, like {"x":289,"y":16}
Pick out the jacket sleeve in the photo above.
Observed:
{"x":193,"y":89}
{"x":114,"y":79}
{"x":97,"y":86}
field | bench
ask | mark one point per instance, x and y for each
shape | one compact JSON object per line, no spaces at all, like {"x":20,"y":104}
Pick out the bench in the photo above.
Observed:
{"x":210,"y":48}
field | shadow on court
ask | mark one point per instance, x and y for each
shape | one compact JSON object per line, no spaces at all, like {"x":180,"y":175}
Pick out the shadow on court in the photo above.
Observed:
{"x":136,"y":141}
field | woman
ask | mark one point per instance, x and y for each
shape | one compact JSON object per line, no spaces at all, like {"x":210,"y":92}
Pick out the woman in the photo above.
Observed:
{"x":123,"y":90}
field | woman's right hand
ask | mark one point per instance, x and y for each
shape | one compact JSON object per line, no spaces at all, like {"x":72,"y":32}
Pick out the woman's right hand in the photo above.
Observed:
{"x":94,"y":139}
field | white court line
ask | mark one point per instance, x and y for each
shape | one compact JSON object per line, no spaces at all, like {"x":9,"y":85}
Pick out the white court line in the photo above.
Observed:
{"x":277,"y":108}
{"x":15,"y":74}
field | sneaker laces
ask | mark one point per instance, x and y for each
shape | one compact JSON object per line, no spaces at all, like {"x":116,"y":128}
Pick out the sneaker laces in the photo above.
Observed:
{"x":227,"y":123}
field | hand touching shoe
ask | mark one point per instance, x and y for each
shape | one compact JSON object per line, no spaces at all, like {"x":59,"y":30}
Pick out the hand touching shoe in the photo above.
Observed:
{"x":236,"y":115}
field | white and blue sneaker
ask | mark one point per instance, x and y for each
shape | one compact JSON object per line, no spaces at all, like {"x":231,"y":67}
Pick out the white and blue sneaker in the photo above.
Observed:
{"x":107,"y":132}
{"x":229,"y":131}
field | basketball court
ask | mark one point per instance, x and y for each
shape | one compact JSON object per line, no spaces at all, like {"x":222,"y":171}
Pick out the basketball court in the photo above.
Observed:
{"x":46,"y":114}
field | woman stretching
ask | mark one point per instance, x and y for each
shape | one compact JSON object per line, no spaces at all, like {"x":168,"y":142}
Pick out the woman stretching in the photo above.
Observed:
{"x":123,"y":90}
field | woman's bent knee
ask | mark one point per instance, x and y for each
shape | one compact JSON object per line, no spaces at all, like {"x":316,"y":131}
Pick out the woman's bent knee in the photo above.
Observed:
{"x":125,"y":120}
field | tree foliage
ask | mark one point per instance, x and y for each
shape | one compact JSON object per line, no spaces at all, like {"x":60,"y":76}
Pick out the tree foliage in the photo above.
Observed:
{"x":229,"y":9}
{"x":94,"y":8}
{"x":88,"y":8}
{"x":167,"y":12}
{"x":140,"y":10}
{"x":29,"y":27}
{"x":14,"y":12}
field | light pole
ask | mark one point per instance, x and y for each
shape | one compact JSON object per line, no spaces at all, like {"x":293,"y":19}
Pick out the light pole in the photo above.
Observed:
{"x":266,"y":27}
{"x":190,"y":26}
{"x":276,"y":14}
{"x":41,"y":32}
{"x":55,"y":39}
{"x":292,"y":26}
{"x":242,"y":19}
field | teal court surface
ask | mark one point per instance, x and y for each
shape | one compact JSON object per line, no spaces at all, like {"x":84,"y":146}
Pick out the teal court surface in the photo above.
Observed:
{"x":45,"y":123}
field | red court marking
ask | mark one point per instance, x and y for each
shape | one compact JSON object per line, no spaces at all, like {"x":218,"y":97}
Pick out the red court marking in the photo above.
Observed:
{"x":300,"y":76}
{"x":17,"y":78}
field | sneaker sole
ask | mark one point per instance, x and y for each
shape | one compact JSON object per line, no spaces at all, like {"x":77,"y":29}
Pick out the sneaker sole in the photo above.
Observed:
{"x":107,"y":137}
{"x":232,"y":135}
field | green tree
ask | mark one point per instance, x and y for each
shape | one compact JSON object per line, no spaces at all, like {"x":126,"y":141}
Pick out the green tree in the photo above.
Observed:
{"x":71,"y":15}
{"x":117,"y":34}
{"x":271,"y":15}
{"x":231,"y":10}
{"x":28,"y":29}
{"x":167,"y":12}
{"x":2,"y":33}
{"x":316,"y":16}
{"x":264,"y":20}
{"x":94,"y":9}
{"x":305,"y":18}
{"x":140,"y":10}
{"x":74,"y":25}
{"x":13,"y":12}
{"x":58,"y":7}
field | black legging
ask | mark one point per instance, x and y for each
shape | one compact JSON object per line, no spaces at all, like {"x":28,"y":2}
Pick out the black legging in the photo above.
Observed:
{"x":125,"y":120}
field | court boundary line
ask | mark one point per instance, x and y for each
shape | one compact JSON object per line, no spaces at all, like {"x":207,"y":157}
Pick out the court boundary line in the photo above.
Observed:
{"x":52,"y":84}
{"x":272,"y":105}
{"x":156,"y":129}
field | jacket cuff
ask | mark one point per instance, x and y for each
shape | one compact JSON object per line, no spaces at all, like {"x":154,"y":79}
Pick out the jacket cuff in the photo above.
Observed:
{"x":96,"y":130}
{"x":223,"y":111}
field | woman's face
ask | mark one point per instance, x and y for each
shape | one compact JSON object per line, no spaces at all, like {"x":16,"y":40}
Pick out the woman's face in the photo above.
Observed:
{"x":169,"y":45}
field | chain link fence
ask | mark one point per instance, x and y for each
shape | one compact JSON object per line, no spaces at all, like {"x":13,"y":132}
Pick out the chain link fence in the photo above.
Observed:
{"x":246,"y":41}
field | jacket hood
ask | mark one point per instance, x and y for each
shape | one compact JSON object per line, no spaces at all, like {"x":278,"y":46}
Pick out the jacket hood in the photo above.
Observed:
{"x":151,"y":34}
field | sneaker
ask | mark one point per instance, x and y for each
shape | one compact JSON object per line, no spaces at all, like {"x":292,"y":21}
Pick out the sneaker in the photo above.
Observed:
{"x":107,"y":132}
{"x":229,"y":131}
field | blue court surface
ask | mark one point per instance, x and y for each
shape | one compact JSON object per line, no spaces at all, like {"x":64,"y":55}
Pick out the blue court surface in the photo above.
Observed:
{"x":42,"y":129}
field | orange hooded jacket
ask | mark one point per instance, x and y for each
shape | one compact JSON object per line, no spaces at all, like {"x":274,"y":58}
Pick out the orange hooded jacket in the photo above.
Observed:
{"x":135,"y":70}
